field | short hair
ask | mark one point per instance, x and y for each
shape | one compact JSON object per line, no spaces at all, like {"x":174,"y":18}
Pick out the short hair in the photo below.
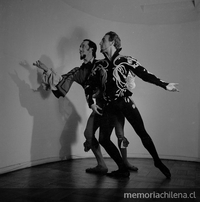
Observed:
{"x":114,"y":37}
{"x":92,"y":45}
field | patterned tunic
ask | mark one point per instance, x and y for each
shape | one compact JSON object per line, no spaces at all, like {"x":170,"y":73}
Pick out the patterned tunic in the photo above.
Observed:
{"x":112,"y":75}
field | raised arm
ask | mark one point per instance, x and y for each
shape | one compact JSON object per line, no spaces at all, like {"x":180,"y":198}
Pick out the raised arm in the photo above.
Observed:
{"x":59,"y":84}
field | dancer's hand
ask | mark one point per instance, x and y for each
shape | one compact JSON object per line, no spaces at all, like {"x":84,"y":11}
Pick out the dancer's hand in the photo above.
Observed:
{"x":41,"y":65}
{"x":172,"y":87}
{"x":96,"y":109}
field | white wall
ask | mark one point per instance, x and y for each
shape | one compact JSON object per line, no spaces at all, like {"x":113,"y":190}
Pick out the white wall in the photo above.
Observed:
{"x":37,"y":128}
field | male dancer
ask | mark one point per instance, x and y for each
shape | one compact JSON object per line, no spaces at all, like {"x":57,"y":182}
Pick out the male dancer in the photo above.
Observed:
{"x":60,"y":86}
{"x":112,"y":72}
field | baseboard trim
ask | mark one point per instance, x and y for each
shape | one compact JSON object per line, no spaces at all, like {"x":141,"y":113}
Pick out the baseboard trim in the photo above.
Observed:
{"x":27,"y":164}
{"x":24,"y":165}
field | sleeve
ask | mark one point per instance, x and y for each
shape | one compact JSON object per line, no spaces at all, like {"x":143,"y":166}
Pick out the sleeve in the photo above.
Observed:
{"x":91,"y":85}
{"x":79,"y":76}
{"x":50,"y":79}
{"x":65,"y":83}
{"x":145,"y":75}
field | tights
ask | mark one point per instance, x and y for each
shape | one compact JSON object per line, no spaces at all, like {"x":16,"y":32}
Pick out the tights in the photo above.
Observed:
{"x":126,"y":107}
{"x":94,"y":122}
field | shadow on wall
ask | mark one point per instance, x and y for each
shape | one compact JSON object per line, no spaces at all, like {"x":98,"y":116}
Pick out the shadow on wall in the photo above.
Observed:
{"x":47,"y":119}
{"x":49,"y":116}
{"x":69,"y":133}
{"x":67,"y":45}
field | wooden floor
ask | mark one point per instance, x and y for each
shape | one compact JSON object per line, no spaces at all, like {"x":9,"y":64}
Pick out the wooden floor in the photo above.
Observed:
{"x":68,"y":181}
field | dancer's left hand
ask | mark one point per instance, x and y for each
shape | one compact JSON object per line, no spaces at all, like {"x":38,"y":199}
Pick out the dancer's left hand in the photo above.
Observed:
{"x":172,"y":87}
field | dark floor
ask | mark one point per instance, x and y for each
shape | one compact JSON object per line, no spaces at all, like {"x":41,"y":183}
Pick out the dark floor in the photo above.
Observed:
{"x":68,"y":181}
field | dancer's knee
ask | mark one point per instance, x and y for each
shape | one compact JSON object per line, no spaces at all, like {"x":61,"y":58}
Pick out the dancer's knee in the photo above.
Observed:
{"x":90,"y":144}
{"x":87,"y":133}
{"x":123,"y":142}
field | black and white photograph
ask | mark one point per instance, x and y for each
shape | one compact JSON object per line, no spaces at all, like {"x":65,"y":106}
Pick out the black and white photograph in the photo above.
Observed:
{"x":99,"y":100}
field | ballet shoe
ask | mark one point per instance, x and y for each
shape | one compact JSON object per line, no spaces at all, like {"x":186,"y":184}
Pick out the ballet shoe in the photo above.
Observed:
{"x":163,"y":169}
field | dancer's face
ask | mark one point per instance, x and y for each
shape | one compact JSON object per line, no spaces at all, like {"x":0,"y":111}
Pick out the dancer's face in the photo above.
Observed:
{"x":105,"y":44}
{"x":84,"y":50}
